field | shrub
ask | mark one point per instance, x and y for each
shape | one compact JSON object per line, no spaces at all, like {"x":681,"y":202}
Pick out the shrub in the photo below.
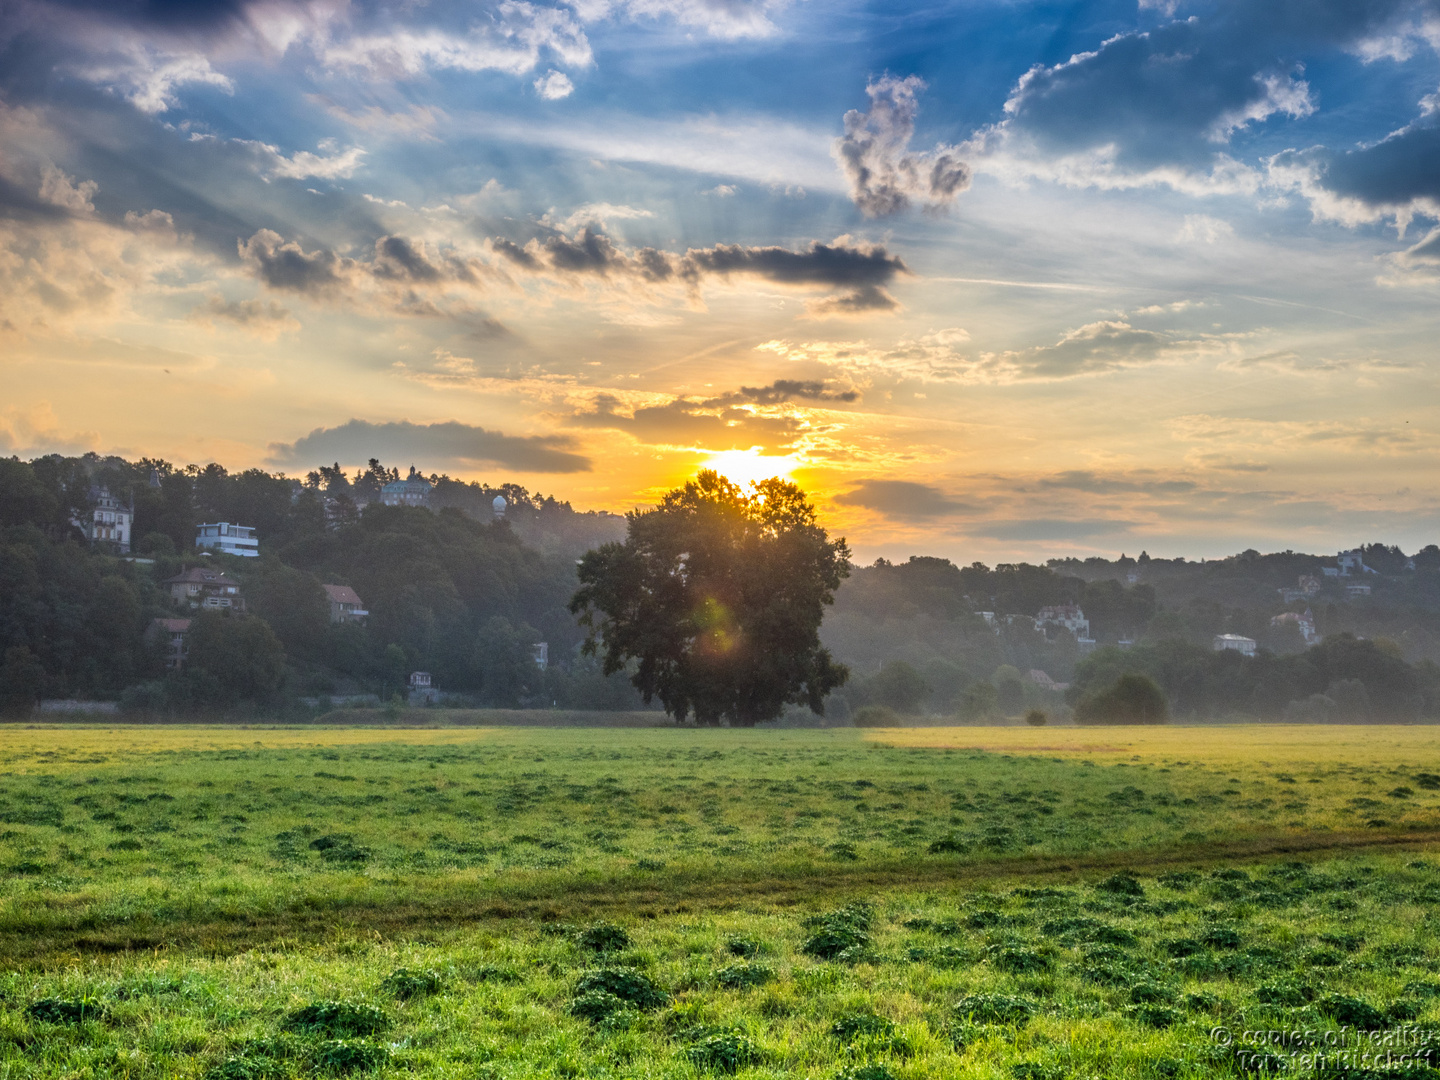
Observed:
{"x":994,"y":1009}
{"x":1132,"y":699}
{"x":66,"y":1010}
{"x":603,"y":937}
{"x":876,"y":716}
{"x":736,"y":945}
{"x":338,"y":1019}
{"x":629,"y":986}
{"x":1037,"y":718}
{"x":725,"y":1052}
{"x":741,"y":976}
{"x":411,"y":982}
{"x":838,"y":931}
{"x":848,"y":1028}
{"x":345,"y":1056}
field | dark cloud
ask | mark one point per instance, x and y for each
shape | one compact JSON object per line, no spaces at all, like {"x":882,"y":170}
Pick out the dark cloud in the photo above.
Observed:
{"x":860,"y":269}
{"x":447,"y":445}
{"x":1397,"y":175}
{"x":874,"y":154}
{"x":1170,"y":98}
{"x":287,"y":267}
{"x":1426,"y":252}
{"x":1085,"y":480}
{"x":178,"y":15}
{"x":1048,"y":529}
{"x":691,"y":423}
{"x":783,"y":390}
{"x":902,"y":500}
{"x":1093,"y":348}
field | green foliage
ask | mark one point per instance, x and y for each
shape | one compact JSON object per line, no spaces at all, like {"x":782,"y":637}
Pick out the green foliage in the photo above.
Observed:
{"x":406,"y":983}
{"x":717,"y":597}
{"x":1132,"y":699}
{"x":603,"y":937}
{"x":1037,"y":718}
{"x":724,"y":1052}
{"x":337,"y":1019}
{"x":995,"y":1009}
{"x":66,"y":1010}
{"x":896,"y":686}
{"x":744,"y":976}
{"x":875,"y":716}
{"x":838,"y":932}
{"x":637,"y":990}
{"x":347,"y":1056}
{"x":22,"y":679}
{"x":233,"y":658}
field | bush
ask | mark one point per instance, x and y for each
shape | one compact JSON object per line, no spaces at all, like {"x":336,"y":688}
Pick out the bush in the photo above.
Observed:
{"x":66,"y":1010}
{"x":838,"y":932}
{"x":1133,"y":698}
{"x":338,"y":1019}
{"x":1037,"y":718}
{"x":726,"y":1052}
{"x":741,"y":976}
{"x":603,"y":937}
{"x":411,"y":982}
{"x":994,"y":1009}
{"x":629,"y":986}
{"x":875,"y":716}
{"x":344,"y":1056}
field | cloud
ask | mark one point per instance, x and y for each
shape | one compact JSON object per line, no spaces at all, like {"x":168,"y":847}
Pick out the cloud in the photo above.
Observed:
{"x":287,"y":267}
{"x":1363,"y":435}
{"x":684,"y":423}
{"x":304,"y":165}
{"x":1202,"y":228}
{"x":443,"y":444}
{"x":729,"y":20}
{"x":783,"y":390}
{"x":902,"y":500}
{"x":1162,"y":106}
{"x":859,"y":272}
{"x":1048,"y":528}
{"x":933,"y":357}
{"x":1099,"y":484}
{"x":512,"y":40}
{"x":873,"y":153}
{"x":554,"y":85}
{"x":265,"y":319}
{"x":60,"y":190}
{"x":1397,"y":177}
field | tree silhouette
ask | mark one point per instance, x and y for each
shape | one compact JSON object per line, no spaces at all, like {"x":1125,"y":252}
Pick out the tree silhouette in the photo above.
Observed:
{"x":716,"y":597}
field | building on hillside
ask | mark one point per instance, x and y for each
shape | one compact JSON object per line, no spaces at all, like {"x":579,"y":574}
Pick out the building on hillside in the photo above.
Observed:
{"x":1352,"y":591}
{"x":1044,"y":681}
{"x":414,"y":490}
{"x":169,"y":635}
{"x":1304,"y":623}
{"x":109,"y":522}
{"x":541,"y":652}
{"x":1067,"y":615}
{"x":1353,"y":562}
{"x":228,"y":539}
{"x":422,"y":690}
{"x":201,"y":587}
{"x":498,"y":506}
{"x":1308,"y":586}
{"x":345,"y":604}
{"x":1236,"y":643}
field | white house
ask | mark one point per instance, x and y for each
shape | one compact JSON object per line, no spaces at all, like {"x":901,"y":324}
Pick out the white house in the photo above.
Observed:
{"x":1352,"y":562}
{"x":412,"y":491}
{"x":541,"y":652}
{"x":1304,"y":623}
{"x":230,"y":539}
{"x":1243,"y":645}
{"x":110,"y":522}
{"x":1067,"y":615}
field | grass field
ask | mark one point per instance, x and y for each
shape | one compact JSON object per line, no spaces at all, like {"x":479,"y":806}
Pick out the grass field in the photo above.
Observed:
{"x":462,"y":902}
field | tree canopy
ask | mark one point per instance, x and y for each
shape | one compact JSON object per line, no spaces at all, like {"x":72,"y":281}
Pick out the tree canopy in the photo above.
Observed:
{"x":714,"y":601}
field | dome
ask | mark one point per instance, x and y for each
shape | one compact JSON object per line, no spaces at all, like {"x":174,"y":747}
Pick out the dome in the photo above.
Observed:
{"x":499,"y":505}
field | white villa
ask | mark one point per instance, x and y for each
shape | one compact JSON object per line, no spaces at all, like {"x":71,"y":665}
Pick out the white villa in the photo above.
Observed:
{"x":230,"y":539}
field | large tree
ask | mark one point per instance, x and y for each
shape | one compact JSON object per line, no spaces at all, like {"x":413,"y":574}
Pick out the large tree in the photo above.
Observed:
{"x":716,"y":597}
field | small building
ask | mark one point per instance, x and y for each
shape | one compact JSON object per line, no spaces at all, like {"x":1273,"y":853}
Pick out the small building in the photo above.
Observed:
{"x":1353,"y":562}
{"x":414,"y":490}
{"x":498,"y":506}
{"x":1354,"y":591}
{"x":109,"y":522}
{"x":541,"y":652}
{"x":1304,"y":623}
{"x":169,"y":635}
{"x":201,"y":587}
{"x":1044,"y":681}
{"x":345,"y":605}
{"x":1243,"y":645}
{"x":422,"y":692}
{"x":229,"y":539}
{"x":1067,"y":615}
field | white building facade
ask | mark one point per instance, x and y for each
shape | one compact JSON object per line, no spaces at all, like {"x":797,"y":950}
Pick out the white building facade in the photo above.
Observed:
{"x":230,"y":539}
{"x":110,"y":522}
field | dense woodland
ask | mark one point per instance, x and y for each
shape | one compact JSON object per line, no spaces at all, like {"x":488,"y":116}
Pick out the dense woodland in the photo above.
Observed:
{"x":455,"y":592}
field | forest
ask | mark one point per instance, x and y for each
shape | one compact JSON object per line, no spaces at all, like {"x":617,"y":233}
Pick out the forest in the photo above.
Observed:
{"x":457,"y":592}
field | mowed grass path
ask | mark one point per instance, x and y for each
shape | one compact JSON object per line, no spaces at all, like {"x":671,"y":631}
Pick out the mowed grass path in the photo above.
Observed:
{"x":126,"y":837}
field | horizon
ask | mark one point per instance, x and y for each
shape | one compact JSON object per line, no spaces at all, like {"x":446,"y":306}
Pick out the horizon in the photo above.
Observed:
{"x":988,"y":281}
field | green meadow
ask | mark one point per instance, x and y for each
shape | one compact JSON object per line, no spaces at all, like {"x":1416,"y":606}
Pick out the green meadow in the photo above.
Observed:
{"x":844,"y":905}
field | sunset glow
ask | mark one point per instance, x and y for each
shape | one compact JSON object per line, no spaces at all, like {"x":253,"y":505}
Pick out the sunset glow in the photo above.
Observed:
{"x":745,"y":467}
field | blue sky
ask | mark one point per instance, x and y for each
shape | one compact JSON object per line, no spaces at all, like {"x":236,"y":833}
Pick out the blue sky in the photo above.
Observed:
{"x":993,"y":280}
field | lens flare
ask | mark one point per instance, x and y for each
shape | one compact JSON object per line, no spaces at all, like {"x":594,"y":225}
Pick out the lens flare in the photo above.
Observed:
{"x":746,"y":466}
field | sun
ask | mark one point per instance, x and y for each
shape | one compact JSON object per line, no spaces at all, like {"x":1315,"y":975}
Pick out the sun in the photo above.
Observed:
{"x":746,"y":466}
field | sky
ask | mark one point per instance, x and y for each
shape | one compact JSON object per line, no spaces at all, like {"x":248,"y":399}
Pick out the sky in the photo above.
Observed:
{"x":990,"y":280}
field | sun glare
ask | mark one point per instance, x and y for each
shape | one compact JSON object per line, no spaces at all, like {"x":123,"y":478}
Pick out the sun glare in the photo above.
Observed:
{"x":744,"y":466}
